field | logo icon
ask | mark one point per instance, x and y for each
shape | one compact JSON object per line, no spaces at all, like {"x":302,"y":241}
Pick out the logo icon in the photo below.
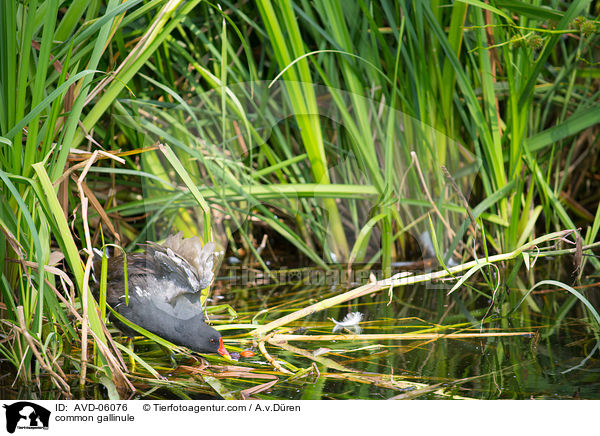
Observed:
{"x":26,"y":415}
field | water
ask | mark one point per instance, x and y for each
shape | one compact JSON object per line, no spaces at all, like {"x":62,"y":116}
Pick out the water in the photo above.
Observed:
{"x":542,"y":362}
{"x":544,"y":359}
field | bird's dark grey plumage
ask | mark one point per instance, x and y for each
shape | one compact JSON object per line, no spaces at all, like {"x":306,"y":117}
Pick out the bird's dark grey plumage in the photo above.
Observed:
{"x":165,"y":283}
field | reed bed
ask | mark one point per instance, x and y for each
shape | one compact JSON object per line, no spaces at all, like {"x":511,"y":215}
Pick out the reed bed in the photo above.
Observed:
{"x":458,"y":137}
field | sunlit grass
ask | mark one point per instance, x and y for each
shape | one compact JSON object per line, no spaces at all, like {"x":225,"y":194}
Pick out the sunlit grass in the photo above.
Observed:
{"x":321,"y":127}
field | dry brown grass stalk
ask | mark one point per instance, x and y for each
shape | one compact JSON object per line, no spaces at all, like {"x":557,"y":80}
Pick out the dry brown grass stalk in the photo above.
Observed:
{"x":394,"y":337}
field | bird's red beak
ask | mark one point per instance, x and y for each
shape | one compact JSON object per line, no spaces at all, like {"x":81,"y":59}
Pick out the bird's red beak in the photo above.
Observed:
{"x":222,"y":351}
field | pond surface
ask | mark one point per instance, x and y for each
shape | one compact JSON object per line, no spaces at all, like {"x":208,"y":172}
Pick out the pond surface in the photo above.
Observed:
{"x":449,"y":355}
{"x":453,"y":359}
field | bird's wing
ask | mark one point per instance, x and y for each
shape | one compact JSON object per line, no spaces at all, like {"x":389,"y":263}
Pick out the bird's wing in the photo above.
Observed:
{"x":174,"y":267}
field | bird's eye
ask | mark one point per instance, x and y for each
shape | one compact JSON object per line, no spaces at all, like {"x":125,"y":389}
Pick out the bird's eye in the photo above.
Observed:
{"x":212,"y":341}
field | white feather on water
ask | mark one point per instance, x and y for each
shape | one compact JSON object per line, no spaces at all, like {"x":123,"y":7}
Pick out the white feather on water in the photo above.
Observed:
{"x":350,"y":322}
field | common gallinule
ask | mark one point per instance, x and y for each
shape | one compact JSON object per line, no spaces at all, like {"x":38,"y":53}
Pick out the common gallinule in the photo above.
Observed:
{"x":164,"y":284}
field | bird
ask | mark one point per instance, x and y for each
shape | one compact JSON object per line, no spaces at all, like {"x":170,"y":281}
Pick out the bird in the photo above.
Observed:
{"x":164,"y":289}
